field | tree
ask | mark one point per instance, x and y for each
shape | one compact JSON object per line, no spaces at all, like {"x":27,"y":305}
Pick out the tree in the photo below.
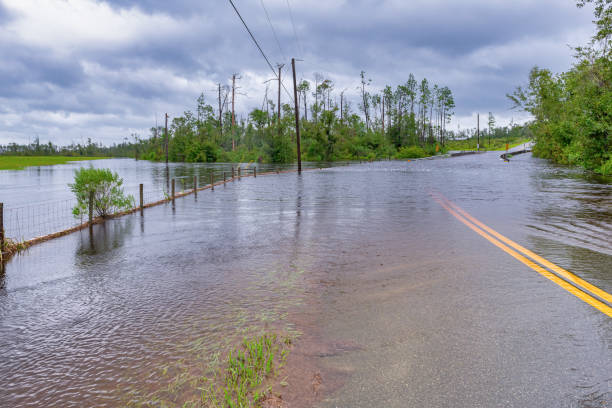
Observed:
{"x":491,"y":125}
{"x":303,"y":89}
{"x":365,"y":97}
{"x":108,"y":193}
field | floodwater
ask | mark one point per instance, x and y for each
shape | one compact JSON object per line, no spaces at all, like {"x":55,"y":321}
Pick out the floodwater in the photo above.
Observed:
{"x":429,"y":313}
{"x":37,"y":200}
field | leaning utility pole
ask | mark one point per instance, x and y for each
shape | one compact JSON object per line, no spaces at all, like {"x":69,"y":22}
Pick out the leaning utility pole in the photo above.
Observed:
{"x":166,"y":138}
{"x":280,"y":67}
{"x":297,"y":117}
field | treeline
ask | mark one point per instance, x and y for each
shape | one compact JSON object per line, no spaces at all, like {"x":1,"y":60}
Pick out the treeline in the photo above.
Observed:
{"x":408,"y":120}
{"x":89,"y":149}
{"x":573,"y":110}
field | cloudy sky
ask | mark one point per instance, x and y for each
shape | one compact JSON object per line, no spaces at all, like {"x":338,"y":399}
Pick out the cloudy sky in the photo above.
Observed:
{"x":74,"y":69}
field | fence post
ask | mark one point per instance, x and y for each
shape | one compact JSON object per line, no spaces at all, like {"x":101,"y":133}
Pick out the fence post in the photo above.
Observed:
{"x":212,"y":181}
{"x":238,"y":172}
{"x":141,"y":199}
{"x":91,"y":201}
{"x":223,"y":178}
{"x":195,"y":185}
{"x":232,"y":173}
{"x":254,"y":171}
{"x":1,"y":228}
{"x":173,"y":191}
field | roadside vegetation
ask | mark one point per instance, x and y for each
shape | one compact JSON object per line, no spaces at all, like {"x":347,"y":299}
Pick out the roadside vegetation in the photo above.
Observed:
{"x":413,"y":114}
{"x":247,"y":375}
{"x":573,"y":110}
{"x":108,"y":195}
{"x":21,"y":162}
{"x":498,"y":144}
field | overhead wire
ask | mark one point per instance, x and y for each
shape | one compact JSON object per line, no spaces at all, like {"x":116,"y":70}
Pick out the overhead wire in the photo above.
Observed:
{"x":260,"y":49}
{"x":297,"y":41}
{"x":273,"y":30}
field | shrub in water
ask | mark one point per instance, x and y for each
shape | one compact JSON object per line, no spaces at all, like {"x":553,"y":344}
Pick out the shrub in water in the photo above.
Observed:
{"x":108,"y":193}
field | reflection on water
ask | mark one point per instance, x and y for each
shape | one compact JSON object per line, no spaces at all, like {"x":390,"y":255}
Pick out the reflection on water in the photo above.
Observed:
{"x":93,"y":317}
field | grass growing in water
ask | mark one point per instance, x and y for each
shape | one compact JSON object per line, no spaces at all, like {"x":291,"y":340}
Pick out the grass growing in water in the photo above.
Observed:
{"x":11,"y":247}
{"x":21,"y":162}
{"x":242,"y":377}
{"x":245,"y":378}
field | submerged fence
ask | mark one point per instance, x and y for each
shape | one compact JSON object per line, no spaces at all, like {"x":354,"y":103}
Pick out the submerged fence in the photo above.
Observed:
{"x":22,"y":226}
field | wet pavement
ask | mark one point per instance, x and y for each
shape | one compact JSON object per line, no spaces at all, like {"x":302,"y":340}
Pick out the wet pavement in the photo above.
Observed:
{"x":422,"y":311}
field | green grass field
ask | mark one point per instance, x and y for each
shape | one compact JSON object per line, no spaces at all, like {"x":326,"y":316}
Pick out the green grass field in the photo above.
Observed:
{"x":496,"y":144}
{"x":21,"y":162}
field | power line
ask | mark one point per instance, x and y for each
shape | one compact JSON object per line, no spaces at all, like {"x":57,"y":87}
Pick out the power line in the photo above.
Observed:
{"x":259,"y":47}
{"x":253,"y":37}
{"x":273,"y":30}
{"x":297,"y":41}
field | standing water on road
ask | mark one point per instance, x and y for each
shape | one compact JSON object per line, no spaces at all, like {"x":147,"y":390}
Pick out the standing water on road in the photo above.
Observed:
{"x":103,"y":319}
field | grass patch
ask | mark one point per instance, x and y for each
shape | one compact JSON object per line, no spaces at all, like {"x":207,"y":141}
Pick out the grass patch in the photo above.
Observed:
{"x":411,"y":152}
{"x":498,"y":144}
{"x":21,"y":162}
{"x":11,"y":247}
{"x":244,"y":376}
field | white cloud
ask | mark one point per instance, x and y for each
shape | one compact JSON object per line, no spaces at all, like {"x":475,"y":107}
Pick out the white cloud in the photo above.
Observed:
{"x":62,"y":25}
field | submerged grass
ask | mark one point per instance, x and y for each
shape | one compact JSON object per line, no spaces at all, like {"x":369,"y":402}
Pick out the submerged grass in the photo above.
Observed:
{"x":21,"y":162}
{"x":243,"y":377}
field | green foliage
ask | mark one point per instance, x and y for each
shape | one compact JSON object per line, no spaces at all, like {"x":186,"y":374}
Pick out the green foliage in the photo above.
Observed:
{"x":244,"y":379}
{"x":573,"y":110}
{"x":108,"y":194}
{"x":412,"y":117}
{"x":410,"y":152}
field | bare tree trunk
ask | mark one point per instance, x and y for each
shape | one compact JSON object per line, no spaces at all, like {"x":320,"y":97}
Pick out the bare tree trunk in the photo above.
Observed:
{"x":383,"y":115}
{"x":220,"y":112}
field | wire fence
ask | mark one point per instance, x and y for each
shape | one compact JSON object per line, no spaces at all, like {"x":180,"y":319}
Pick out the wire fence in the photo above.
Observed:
{"x":24,"y":223}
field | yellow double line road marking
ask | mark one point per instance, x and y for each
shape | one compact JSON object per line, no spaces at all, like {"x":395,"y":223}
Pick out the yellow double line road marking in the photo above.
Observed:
{"x":496,"y":239}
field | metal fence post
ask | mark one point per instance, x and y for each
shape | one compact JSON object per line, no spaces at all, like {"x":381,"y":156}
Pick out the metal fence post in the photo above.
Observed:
{"x":254,"y":171}
{"x":238,"y":172}
{"x":195,"y":185}
{"x":232,"y":172}
{"x":141,"y":199}
{"x":223,"y":178}
{"x":212,"y":181}
{"x":91,"y":201}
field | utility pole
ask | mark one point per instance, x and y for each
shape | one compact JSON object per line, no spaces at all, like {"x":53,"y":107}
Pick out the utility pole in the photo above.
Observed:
{"x":297,"y":117}
{"x":478,"y":132}
{"x":166,"y":138}
{"x":280,"y":67}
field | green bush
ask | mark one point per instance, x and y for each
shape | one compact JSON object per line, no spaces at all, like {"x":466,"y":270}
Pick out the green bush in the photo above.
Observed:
{"x":108,"y":193}
{"x":410,"y":152}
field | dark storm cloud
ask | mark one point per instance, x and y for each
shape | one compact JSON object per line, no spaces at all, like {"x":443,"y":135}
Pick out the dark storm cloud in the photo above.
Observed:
{"x":132,"y":60}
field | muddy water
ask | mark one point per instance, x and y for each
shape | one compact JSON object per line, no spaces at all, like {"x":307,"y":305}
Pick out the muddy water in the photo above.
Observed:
{"x":424,"y":311}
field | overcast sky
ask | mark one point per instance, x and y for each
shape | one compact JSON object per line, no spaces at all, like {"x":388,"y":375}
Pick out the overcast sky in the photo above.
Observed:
{"x":73,"y":69}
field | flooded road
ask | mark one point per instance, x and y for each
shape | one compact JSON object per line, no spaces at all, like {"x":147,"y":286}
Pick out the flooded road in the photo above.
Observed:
{"x":400,"y":304}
